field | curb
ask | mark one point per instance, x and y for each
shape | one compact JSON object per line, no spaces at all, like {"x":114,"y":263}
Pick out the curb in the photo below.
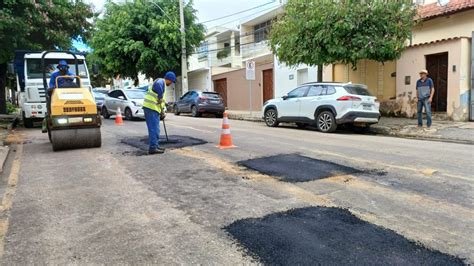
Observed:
{"x":4,"y":151}
{"x":386,"y":131}
{"x":245,"y":118}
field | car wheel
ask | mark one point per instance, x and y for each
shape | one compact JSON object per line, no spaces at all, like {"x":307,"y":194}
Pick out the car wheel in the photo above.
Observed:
{"x":301,"y":125}
{"x":105,"y":112}
{"x":326,"y":122}
{"x":271,"y":118}
{"x":176,"y":110}
{"x":195,"y":112}
{"x":128,"y":114}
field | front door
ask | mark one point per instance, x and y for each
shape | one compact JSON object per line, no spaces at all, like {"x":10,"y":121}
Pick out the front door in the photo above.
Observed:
{"x":437,"y":66}
{"x":267,"y":85}
{"x":220,"y":86}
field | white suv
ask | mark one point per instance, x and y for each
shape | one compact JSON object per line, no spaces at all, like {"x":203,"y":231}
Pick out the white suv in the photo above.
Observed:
{"x":326,"y":105}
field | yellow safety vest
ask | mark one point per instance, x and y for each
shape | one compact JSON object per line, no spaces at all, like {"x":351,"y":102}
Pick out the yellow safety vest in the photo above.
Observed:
{"x":151,"y":100}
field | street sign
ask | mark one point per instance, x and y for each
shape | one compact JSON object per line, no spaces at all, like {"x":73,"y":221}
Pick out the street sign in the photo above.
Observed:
{"x":250,"y":70}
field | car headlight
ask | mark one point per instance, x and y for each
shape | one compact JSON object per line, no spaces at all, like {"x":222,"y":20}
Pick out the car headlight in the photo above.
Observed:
{"x":265,"y":103}
{"x":137,"y":104}
{"x":62,"y":121}
{"x":39,"y":106}
{"x":87,"y":120}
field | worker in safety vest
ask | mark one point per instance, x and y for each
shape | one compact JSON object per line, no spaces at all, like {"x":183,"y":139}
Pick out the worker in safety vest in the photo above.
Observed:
{"x":154,"y":105}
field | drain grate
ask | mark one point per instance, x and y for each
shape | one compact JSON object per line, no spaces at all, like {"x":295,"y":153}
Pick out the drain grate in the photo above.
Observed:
{"x":327,"y":236}
{"x":297,"y":168}
{"x":174,"y":142}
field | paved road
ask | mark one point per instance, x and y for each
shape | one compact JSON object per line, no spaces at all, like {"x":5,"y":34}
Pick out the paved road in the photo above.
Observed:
{"x":371,"y":199}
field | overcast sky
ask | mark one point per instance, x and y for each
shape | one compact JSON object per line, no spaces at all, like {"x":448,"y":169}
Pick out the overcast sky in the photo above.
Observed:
{"x":210,"y":9}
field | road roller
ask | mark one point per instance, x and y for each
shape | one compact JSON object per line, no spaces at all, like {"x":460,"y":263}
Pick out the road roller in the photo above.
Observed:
{"x":72,"y":120}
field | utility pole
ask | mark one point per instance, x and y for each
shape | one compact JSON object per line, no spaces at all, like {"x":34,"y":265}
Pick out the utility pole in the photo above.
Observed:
{"x":184,"y":61}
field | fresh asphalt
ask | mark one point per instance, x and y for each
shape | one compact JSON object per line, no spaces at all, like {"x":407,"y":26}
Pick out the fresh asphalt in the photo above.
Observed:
{"x":197,"y":204}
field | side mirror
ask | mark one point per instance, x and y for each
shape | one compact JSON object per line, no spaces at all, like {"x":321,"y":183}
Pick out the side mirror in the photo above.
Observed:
{"x":285,"y":97}
{"x":121,"y":98}
{"x":95,"y":69}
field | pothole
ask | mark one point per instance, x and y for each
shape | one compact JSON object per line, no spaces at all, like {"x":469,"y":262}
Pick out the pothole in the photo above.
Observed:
{"x":173,"y":142}
{"x":327,"y":236}
{"x":297,"y":168}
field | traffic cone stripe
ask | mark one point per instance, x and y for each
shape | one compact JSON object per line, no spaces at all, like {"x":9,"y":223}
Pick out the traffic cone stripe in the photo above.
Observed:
{"x":118,"y":117}
{"x":226,"y":137}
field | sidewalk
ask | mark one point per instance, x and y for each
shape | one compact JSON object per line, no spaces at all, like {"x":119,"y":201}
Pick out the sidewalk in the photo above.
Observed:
{"x":462,"y":132}
{"x":5,"y":124}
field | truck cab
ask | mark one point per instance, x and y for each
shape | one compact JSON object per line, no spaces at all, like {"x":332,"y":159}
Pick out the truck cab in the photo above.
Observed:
{"x":29,"y":74}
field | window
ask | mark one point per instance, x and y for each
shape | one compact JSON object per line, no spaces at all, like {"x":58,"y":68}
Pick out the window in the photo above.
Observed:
{"x":203,"y":50}
{"x":34,"y":70}
{"x":298,"y":92}
{"x":316,"y":91}
{"x":357,"y":90}
{"x":261,"y":31}
{"x":330,"y":90}
{"x":115,"y":94}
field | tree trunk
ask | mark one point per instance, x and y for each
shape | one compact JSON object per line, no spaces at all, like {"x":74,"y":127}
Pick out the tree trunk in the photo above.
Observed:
{"x":320,"y":73}
{"x":3,"y":80}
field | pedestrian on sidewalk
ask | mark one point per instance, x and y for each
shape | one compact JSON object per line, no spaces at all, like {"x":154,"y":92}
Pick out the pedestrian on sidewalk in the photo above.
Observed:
{"x":153,"y":106}
{"x":424,"y":91}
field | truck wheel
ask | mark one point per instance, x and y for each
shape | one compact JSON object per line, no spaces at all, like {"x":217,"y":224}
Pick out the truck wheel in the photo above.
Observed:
{"x":27,"y":122}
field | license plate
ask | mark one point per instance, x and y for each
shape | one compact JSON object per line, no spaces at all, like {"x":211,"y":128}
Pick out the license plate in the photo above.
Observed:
{"x":215,"y":102}
{"x":75,"y":120}
{"x":367,"y":106}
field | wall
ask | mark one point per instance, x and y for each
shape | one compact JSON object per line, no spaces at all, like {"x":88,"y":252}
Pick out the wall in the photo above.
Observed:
{"x":456,"y":25}
{"x":282,"y":82}
{"x":413,"y":60}
{"x":198,"y":80}
{"x":377,"y":77}
{"x":238,"y":88}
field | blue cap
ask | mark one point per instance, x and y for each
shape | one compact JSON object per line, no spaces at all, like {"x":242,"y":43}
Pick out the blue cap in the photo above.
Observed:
{"x":62,"y":63}
{"x":170,"y":76}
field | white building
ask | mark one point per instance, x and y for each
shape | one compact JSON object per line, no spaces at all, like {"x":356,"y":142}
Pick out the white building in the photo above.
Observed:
{"x":220,"y":52}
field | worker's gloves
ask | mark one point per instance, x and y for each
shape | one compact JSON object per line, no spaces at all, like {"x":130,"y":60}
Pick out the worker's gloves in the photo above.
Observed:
{"x":162,"y":115}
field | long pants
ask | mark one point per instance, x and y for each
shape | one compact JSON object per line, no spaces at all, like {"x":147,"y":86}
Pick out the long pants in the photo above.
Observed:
{"x":153,"y":124}
{"x":424,"y":103}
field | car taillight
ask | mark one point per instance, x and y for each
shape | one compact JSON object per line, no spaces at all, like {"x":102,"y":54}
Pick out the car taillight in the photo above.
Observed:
{"x":202,"y":98}
{"x":349,"y":98}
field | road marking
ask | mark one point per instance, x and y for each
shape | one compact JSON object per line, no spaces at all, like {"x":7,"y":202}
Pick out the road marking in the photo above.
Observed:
{"x":7,"y":199}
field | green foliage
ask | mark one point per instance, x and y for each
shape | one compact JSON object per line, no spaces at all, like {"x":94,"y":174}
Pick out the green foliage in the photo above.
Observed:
{"x":317,"y":32}
{"x":223,"y":53}
{"x":136,"y":36}
{"x":40,"y":25}
{"x":11,"y":108}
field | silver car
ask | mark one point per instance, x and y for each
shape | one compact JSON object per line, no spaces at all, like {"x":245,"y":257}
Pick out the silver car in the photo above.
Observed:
{"x":129,"y":101}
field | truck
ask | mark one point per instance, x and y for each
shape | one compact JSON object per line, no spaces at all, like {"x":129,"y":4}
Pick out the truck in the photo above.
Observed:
{"x":29,"y":77}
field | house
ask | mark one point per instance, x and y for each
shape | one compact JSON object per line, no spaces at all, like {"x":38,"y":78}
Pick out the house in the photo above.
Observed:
{"x":218,"y":53}
{"x":442,"y":44}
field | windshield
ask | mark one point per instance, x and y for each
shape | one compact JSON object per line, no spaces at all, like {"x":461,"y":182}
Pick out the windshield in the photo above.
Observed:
{"x":135,"y":94}
{"x":357,"y":90}
{"x":34,"y":71}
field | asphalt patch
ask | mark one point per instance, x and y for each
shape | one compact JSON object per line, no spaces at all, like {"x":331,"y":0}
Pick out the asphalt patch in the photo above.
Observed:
{"x":328,"y":236}
{"x":297,"y":168}
{"x":173,"y":142}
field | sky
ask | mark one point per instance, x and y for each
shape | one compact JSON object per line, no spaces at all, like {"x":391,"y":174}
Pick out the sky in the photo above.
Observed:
{"x":209,"y":10}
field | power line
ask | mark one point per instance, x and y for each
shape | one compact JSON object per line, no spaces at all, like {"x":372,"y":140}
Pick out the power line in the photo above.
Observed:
{"x":238,"y":19}
{"x":240,"y":12}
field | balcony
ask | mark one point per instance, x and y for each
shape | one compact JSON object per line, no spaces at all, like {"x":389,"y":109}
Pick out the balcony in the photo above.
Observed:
{"x":254,"y":49}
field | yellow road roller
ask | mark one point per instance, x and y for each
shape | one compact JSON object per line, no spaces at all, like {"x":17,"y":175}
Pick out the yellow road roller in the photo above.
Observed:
{"x":72,"y":119}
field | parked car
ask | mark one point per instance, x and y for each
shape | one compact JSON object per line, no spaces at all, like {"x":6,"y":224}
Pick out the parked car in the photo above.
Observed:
{"x":99,"y":96}
{"x":130,"y":102}
{"x":199,"y":102}
{"x":326,"y":105}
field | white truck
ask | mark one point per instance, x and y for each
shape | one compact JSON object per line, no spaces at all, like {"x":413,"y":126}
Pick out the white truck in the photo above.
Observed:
{"x":29,"y":76}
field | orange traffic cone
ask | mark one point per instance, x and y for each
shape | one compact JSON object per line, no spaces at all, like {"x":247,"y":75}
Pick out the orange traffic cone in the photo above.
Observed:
{"x":226,"y":137}
{"x":118,"y":117}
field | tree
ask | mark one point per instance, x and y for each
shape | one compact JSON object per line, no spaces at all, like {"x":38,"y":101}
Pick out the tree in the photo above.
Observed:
{"x":39,"y":25}
{"x":317,"y":32}
{"x":136,"y":36}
